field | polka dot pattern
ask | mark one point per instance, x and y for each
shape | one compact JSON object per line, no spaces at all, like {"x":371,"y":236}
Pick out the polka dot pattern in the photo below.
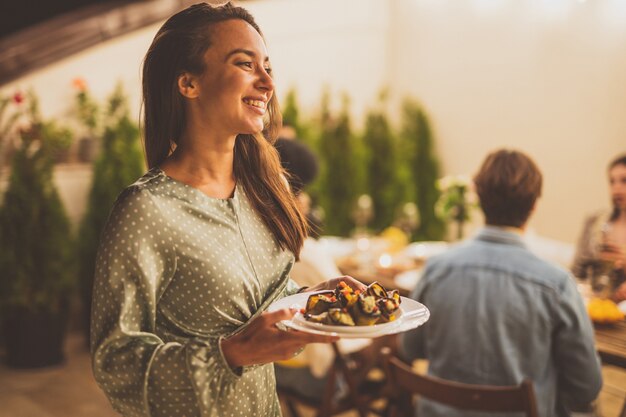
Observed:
{"x":176,"y":272}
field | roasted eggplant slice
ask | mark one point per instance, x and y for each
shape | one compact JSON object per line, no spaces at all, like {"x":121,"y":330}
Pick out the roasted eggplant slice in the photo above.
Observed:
{"x":376,"y":290}
{"x":347,"y":307}
{"x":365,"y":311}
{"x":339,"y":316}
{"x":345,"y":295}
{"x":388,"y":308}
{"x":395,"y":295}
{"x":321,"y":302}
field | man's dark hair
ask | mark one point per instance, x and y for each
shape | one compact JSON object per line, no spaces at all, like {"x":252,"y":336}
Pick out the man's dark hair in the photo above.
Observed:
{"x":508,"y":184}
{"x":299,"y":161}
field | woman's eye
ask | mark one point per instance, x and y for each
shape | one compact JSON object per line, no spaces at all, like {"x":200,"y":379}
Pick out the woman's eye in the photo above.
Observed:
{"x":247,"y":64}
{"x":268,"y":70}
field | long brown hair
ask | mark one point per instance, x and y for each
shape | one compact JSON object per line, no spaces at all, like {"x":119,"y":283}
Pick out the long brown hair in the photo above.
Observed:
{"x":179,"y":47}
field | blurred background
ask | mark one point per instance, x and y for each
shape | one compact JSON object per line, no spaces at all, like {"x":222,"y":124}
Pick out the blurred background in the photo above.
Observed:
{"x":399,"y":99}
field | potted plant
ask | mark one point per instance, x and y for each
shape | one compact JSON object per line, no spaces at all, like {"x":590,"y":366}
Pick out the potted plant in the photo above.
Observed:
{"x":120,"y":162}
{"x":37,"y":277}
{"x":381,"y":166}
{"x":417,"y":147}
{"x":340,"y":179}
{"x":88,"y":113}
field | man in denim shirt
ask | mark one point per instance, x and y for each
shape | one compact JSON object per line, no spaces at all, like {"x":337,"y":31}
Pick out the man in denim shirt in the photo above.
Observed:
{"x":499,"y":314}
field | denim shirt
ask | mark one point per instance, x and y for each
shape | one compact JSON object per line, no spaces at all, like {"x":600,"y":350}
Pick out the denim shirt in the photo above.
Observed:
{"x":499,"y":314}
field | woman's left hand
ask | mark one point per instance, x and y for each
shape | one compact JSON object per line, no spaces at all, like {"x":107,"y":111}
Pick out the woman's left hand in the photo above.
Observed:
{"x":615,"y":253}
{"x":620,"y":293}
{"x":332,"y":283}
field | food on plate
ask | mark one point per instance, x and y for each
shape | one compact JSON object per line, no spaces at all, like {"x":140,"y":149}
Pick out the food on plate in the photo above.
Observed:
{"x":347,"y":307}
{"x":604,"y":311}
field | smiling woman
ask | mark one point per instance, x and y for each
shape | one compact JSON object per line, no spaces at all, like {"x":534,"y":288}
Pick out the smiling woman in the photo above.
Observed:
{"x":197,"y":249}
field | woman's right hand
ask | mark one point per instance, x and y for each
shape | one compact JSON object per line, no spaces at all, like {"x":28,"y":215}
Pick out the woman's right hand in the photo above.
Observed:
{"x":262,"y":342}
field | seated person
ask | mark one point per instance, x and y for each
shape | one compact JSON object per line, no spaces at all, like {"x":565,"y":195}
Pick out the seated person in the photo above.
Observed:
{"x":603,"y":238}
{"x":500,"y":314}
{"x":306,"y":373}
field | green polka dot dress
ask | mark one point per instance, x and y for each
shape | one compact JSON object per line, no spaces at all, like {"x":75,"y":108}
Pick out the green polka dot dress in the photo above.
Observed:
{"x":176,"y":272}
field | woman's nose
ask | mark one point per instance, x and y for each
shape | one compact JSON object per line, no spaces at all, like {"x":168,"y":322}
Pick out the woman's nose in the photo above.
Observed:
{"x":265,"y":80}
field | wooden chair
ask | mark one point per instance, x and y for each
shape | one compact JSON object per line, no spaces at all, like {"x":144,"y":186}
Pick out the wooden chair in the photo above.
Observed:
{"x":485,"y":398}
{"x":361,"y":392}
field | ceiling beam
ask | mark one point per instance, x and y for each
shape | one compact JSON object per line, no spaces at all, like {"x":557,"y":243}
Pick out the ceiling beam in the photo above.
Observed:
{"x":48,"y":42}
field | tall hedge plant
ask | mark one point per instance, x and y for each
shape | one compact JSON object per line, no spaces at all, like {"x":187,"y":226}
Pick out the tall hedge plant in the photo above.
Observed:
{"x":417,"y":144}
{"x":381,"y":167}
{"x":340,"y":180}
{"x":36,"y":261}
{"x":120,"y":162}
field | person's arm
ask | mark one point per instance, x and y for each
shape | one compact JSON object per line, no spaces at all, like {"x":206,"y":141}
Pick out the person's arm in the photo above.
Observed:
{"x":583,"y":250}
{"x":575,"y":356}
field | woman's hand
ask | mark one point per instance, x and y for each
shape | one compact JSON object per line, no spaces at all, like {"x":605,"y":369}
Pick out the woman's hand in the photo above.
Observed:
{"x":262,"y":342}
{"x":332,"y":283}
{"x":619,"y":294}
{"x":615,"y":253}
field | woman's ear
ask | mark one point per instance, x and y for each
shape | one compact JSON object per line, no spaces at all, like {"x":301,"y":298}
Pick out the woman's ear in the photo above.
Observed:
{"x":188,"y":85}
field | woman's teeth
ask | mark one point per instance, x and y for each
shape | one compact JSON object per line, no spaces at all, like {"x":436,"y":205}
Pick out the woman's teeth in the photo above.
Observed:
{"x":256,"y":103}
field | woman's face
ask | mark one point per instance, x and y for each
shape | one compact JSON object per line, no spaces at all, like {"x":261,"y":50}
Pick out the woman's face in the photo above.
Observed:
{"x":236,"y":86}
{"x":617,"y":181}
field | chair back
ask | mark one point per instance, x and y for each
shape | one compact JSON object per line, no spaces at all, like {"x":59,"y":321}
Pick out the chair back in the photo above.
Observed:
{"x":487,"y":398}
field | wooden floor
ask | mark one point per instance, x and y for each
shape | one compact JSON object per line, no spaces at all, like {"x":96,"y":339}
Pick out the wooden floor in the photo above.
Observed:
{"x":70,"y":391}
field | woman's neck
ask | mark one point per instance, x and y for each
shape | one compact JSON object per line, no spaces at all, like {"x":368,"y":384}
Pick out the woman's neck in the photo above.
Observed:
{"x":205,"y":163}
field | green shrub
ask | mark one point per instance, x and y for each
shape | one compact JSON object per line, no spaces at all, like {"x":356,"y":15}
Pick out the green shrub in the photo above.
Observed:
{"x":381,"y":168}
{"x":36,"y":256}
{"x":340,"y":182}
{"x":417,"y":144}
{"x":120,"y":163}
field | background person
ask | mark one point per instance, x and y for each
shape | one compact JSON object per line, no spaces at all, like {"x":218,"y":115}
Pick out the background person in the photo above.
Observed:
{"x":500,"y":314}
{"x":603,"y":238}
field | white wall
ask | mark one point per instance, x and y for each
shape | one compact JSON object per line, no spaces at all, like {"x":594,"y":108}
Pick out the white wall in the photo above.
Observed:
{"x":544,"y":76}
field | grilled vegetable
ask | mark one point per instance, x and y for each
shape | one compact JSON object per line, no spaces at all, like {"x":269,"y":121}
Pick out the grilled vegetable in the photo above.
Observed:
{"x":347,"y":307}
{"x":340,"y":316}
{"x":376,"y":290}
{"x":365,"y":311}
{"x":388,"y":308}
{"x":346,"y":295}
{"x":321,"y":302}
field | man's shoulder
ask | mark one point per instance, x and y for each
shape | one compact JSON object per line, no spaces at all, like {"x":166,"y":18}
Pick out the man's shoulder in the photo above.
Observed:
{"x":507,"y":259}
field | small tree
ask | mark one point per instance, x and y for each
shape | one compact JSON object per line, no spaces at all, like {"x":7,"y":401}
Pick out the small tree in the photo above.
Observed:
{"x":119,"y":164}
{"x":340,"y":183}
{"x":36,"y":255}
{"x":417,"y":145}
{"x":381,"y":167}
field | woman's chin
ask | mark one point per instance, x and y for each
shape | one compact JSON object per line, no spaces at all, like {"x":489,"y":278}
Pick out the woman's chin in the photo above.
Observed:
{"x":251,"y":130}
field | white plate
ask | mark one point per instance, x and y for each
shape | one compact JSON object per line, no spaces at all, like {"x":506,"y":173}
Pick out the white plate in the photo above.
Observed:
{"x":412,"y":315}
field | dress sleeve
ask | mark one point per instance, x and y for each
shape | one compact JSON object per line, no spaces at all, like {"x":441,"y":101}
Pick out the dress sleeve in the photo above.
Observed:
{"x":132,"y":365}
{"x":580,"y":377}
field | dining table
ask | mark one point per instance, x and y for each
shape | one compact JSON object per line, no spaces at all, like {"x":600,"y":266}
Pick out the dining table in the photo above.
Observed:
{"x":611,"y":343}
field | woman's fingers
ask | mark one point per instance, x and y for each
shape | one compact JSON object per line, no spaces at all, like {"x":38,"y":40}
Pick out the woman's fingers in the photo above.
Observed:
{"x":353,"y":283}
